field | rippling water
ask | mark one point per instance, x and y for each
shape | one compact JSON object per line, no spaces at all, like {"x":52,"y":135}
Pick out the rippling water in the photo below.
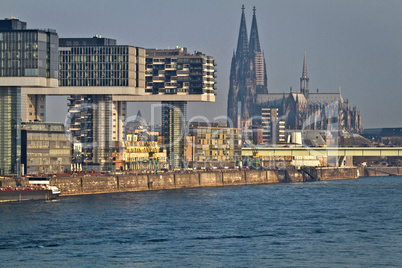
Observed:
{"x":354,"y":223}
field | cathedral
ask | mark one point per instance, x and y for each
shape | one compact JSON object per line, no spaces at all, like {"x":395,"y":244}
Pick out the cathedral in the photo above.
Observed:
{"x":303,"y":110}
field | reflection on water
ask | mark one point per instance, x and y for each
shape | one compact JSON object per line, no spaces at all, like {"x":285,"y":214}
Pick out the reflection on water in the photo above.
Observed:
{"x":331,"y":224}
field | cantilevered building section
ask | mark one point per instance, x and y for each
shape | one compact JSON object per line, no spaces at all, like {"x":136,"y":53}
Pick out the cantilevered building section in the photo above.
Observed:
{"x":99,"y":68}
{"x":28,"y":60}
{"x":175,"y":77}
{"x":108,"y":75}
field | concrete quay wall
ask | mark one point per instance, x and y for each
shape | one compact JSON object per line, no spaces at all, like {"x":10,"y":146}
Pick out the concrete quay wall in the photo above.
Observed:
{"x":145,"y":182}
{"x":380,"y":171}
{"x":344,"y":173}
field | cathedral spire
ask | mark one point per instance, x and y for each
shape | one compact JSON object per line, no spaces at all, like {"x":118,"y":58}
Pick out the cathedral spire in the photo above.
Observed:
{"x":304,"y":72}
{"x":254,"y":38}
{"x":304,"y":80}
{"x":242,"y":42}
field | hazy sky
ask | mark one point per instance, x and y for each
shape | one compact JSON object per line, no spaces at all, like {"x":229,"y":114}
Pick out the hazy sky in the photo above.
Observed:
{"x":355,"y":45}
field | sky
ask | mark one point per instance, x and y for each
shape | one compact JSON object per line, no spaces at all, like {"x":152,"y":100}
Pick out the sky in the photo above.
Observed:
{"x":352,"y":44}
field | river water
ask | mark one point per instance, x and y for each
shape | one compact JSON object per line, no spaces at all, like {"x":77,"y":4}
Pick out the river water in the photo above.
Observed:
{"x":350,"y":223}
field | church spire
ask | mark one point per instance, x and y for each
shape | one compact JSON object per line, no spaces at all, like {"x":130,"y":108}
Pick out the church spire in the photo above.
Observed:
{"x":304,"y":80}
{"x":254,"y":38}
{"x":242,"y":42}
{"x":304,"y":72}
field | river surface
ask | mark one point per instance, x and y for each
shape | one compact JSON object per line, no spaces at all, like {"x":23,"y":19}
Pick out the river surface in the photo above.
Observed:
{"x":350,"y":223}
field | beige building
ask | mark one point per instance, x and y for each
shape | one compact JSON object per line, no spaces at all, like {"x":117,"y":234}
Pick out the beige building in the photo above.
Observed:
{"x":139,"y":155}
{"x":213,"y":145}
{"x":45,"y":148}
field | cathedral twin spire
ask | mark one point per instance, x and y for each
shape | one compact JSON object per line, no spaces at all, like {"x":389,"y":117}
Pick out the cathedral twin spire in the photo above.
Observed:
{"x":248,"y":76}
{"x":244,"y":47}
{"x":242,"y":42}
{"x":254,"y":38}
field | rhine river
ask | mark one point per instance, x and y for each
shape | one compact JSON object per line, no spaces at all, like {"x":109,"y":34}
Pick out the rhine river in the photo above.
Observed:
{"x":351,"y":223}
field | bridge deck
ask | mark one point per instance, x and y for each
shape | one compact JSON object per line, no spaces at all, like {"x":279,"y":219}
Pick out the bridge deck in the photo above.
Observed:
{"x":323,"y":151}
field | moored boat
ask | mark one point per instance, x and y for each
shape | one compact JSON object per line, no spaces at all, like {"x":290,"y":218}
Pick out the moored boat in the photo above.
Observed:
{"x":38,"y":189}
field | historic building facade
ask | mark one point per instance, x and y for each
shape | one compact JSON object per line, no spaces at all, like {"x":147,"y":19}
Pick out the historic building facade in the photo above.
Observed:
{"x":304,"y":110}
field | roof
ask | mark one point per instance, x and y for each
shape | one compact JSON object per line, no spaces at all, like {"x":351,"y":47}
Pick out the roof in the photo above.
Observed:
{"x":272,"y":97}
{"x":313,"y":98}
{"x":299,"y":97}
{"x":324,"y":98}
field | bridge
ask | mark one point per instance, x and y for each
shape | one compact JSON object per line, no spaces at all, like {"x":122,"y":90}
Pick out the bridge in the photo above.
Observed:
{"x":322,"y":151}
{"x":339,"y":153}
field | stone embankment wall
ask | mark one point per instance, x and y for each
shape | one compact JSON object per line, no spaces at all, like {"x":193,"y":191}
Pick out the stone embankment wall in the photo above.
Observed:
{"x":380,"y":171}
{"x":144,"y":182}
{"x":328,"y":173}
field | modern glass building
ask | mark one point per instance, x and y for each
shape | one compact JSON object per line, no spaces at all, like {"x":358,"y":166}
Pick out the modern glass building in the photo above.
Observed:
{"x":45,"y":148}
{"x":95,"y":120}
{"x":178,"y":75}
{"x":174,"y":115}
{"x":100,"y":65}
{"x":10,"y":130}
{"x":27,"y":53}
{"x":28,"y":59}
{"x":89,"y":124}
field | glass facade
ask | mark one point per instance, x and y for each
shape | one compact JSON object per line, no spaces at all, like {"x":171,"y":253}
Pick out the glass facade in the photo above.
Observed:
{"x":89,"y":124}
{"x":23,"y":53}
{"x":174,"y":114}
{"x":45,"y":148}
{"x":101,"y":66}
{"x":97,"y":62}
{"x":29,"y":53}
{"x":10,"y":130}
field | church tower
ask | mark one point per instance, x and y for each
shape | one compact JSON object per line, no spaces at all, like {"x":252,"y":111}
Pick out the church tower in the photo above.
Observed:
{"x":248,"y":76}
{"x":304,"y":80}
{"x":257,"y":58}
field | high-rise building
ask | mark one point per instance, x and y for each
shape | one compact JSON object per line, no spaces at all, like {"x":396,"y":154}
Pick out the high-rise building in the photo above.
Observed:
{"x":28,"y":60}
{"x":179,"y":76}
{"x":100,"y":65}
{"x":248,"y":75}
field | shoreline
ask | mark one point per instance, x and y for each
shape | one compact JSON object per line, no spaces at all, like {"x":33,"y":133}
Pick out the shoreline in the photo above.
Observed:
{"x":118,"y":183}
{"x":84,"y":185}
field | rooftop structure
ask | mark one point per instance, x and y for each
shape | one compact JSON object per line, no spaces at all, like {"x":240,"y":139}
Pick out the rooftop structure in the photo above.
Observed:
{"x":177,"y":75}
